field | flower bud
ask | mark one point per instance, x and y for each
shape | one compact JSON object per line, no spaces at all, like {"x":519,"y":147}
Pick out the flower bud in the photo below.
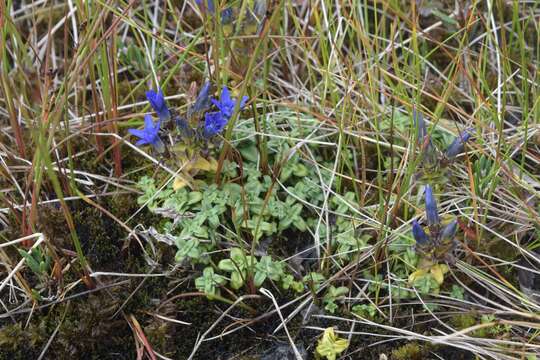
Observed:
{"x":458,"y":145}
{"x":432,"y":214}
{"x":419,"y":234}
{"x":449,"y":231}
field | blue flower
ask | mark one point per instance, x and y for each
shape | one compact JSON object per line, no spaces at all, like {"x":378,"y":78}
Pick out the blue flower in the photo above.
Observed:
{"x":458,"y":145}
{"x":432,"y":214}
{"x":149,"y":135}
{"x":227,"y":15}
{"x":419,"y":234}
{"x":203,"y":99}
{"x":204,"y":3}
{"x":428,"y":151}
{"x":214,"y":123}
{"x":226,"y":104}
{"x":449,"y":231}
{"x":158,"y":103}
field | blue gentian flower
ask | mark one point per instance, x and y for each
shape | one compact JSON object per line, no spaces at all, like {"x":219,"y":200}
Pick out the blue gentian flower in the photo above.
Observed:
{"x":214,"y":123}
{"x":419,"y":234}
{"x":428,"y":151}
{"x":204,"y":3}
{"x":203,"y":99}
{"x":227,"y":15}
{"x":458,"y":145}
{"x":432,"y":214}
{"x":226,"y":104}
{"x":449,"y":231}
{"x":149,"y":135}
{"x":158,"y":103}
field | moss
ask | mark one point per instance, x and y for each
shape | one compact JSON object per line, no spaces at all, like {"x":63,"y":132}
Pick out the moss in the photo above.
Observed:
{"x":100,"y":238}
{"x":410,"y":351}
{"x":86,"y":331}
{"x":500,"y":249}
{"x":463,"y":321}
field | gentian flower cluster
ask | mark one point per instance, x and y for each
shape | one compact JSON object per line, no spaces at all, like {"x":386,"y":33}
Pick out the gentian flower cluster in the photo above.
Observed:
{"x":440,"y":240}
{"x":429,"y":151}
{"x":213,"y":124}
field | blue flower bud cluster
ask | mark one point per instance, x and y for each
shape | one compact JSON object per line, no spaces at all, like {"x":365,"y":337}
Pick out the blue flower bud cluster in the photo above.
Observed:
{"x":428,"y":149}
{"x":437,"y":234}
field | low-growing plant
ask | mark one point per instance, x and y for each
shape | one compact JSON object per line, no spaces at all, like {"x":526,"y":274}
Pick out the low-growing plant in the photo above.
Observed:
{"x":37,"y":260}
{"x":330,"y":345}
{"x":368,"y":311}
{"x":333,"y":294}
{"x":246,"y":207}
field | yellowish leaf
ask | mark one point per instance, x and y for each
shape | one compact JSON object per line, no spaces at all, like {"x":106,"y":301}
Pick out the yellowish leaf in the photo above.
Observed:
{"x":179,"y":183}
{"x":201,"y":163}
{"x":213,"y":165}
{"x":417,"y":275}
{"x":438,"y":271}
{"x":330,"y":345}
{"x":179,"y":148}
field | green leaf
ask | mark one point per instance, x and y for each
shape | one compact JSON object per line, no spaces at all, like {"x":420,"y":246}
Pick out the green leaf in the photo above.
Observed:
{"x":237,"y":255}
{"x":266,"y":268}
{"x":297,"y":286}
{"x":227,"y":265}
{"x":287,"y":281}
{"x":300,"y":224}
{"x":365,"y":310}
{"x":330,"y":307}
{"x":259,"y":278}
{"x":36,"y":295}
{"x":338,"y":292}
{"x":209,"y":282}
{"x":237,"y":280}
{"x":249,"y":152}
{"x":445,"y":18}
{"x":187,"y":249}
{"x":194,"y":197}
{"x":329,"y":346}
{"x":30,"y":261}
{"x":457,"y":292}
{"x":314,"y":279}
{"x":300,"y":170}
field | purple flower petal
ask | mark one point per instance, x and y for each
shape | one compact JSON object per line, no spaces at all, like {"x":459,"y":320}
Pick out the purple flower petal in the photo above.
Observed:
{"x":449,"y":231}
{"x":243,"y":102}
{"x":419,"y":234}
{"x":136,"y":132}
{"x":214,"y":123}
{"x":226,"y":104}
{"x":148,"y":135}
{"x":458,"y":145}
{"x":157,"y":100}
{"x":225,"y":95}
{"x":148,"y":122}
{"x":432,"y":213}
